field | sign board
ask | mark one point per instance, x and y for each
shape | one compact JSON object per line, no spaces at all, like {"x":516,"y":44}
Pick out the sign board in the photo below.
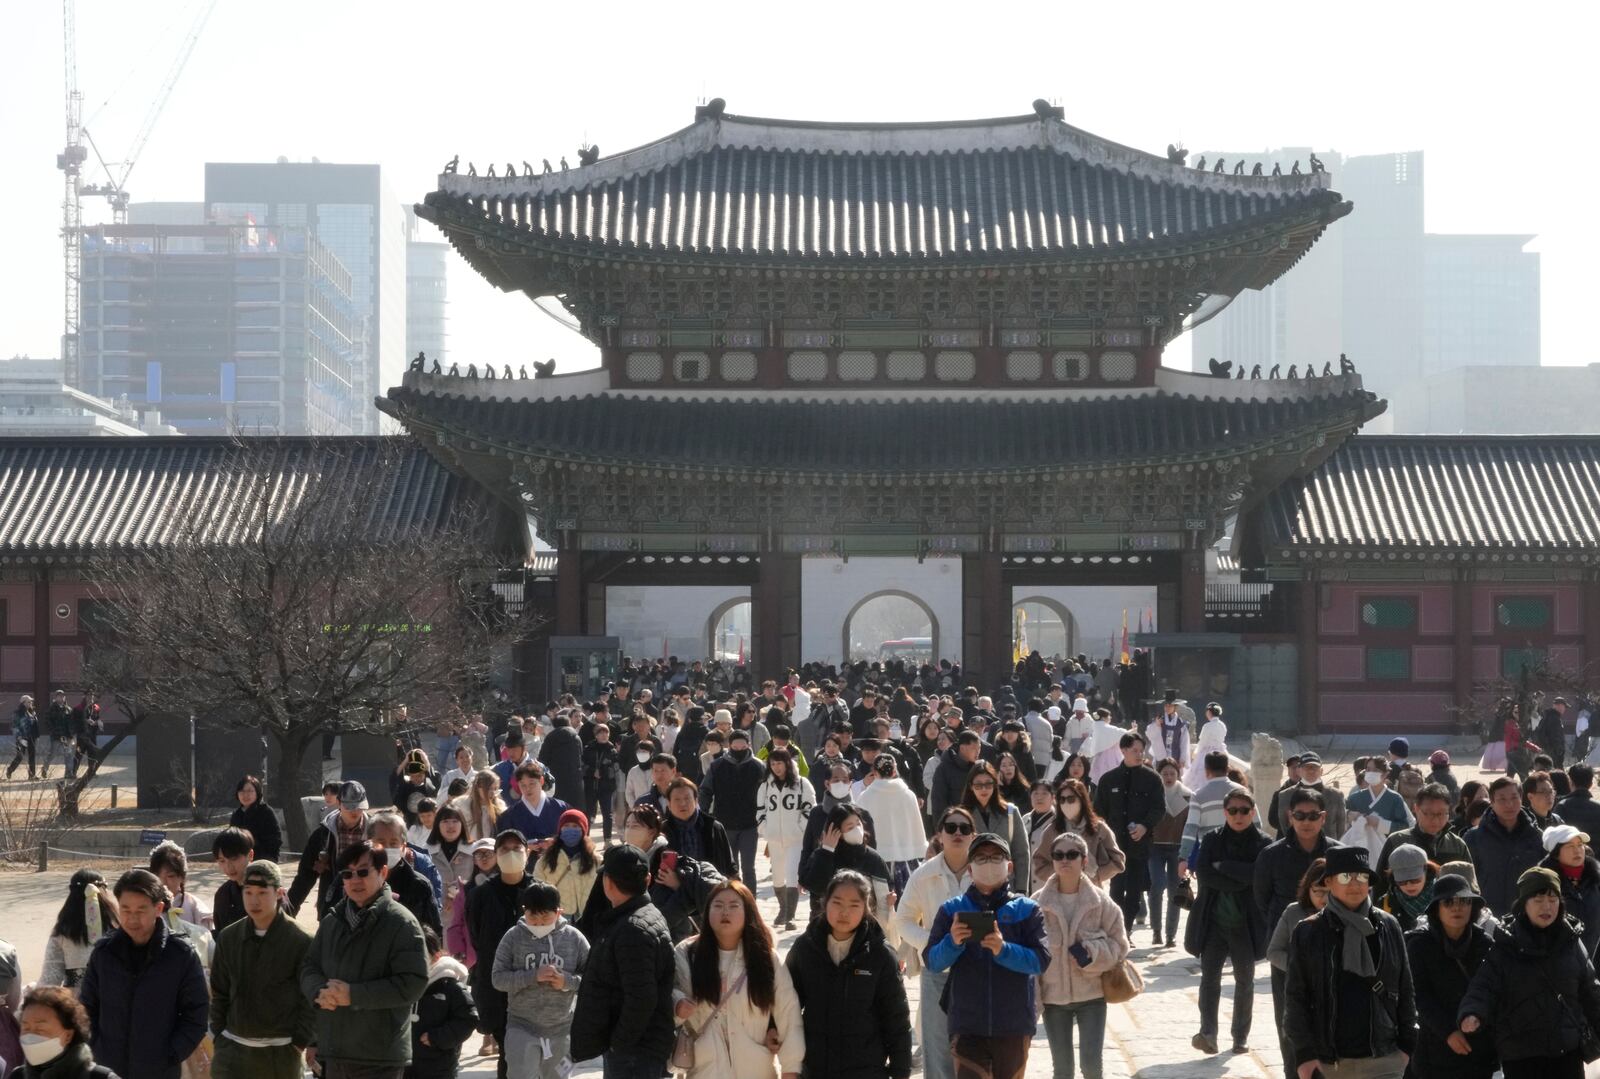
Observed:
{"x":149,"y":837}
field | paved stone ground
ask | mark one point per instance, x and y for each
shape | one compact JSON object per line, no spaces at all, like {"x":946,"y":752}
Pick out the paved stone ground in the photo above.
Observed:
{"x":1146,"y":1038}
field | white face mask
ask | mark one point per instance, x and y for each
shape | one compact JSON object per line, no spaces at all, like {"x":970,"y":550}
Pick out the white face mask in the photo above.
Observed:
{"x":642,"y":757}
{"x":391,"y":855}
{"x":856,"y":836}
{"x":541,"y":931}
{"x":1373,"y":778}
{"x":988,"y":874}
{"x":839,"y":790}
{"x":40,"y":1049}
{"x":511,"y":861}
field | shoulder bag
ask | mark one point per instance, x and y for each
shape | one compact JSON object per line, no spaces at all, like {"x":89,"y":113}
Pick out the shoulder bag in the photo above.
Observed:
{"x":683,"y":1047}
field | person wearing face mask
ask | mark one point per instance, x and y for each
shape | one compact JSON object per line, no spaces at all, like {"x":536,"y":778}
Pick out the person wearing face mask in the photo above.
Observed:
{"x":55,"y":1038}
{"x":641,"y":774}
{"x":601,"y":766}
{"x":843,"y":845}
{"x":731,"y":793}
{"x":932,"y":884}
{"x":539,"y":967}
{"x":1535,"y":991}
{"x":409,"y":888}
{"x":1075,"y":813}
{"x":990,"y":997}
{"x":492,"y":909}
{"x":1375,"y":810}
{"x":570,"y":864}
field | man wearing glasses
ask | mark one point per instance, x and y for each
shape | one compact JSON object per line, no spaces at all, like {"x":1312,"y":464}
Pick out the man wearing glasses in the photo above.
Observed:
{"x":930,"y":886}
{"x":366,"y":967}
{"x":1349,"y":1010}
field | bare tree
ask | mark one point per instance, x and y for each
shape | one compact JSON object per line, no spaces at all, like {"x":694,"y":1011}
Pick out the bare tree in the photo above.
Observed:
{"x":307,"y":595}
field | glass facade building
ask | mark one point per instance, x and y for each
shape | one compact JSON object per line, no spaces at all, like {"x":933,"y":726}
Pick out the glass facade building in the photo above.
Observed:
{"x":426,"y":263}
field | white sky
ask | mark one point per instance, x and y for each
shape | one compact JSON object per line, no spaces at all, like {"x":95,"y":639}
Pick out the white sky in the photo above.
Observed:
{"x":1501,"y":98}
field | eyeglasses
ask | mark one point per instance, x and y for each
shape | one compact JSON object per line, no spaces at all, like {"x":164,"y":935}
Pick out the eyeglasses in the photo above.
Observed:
{"x":364,"y":872}
{"x":1240,"y":811}
{"x":1306,"y":816}
{"x":1069,"y":801}
{"x":1065,"y":855}
{"x":955,"y":827}
{"x":988,"y":861}
{"x":1353,"y":878}
{"x":986,"y":785}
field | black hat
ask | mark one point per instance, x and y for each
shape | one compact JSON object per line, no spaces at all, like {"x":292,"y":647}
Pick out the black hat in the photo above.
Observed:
{"x":1170,"y":696}
{"x":627,"y":867}
{"x":515,"y":739}
{"x":1310,"y":757}
{"x":1400,"y":747}
{"x":1348,"y":860}
{"x":1453,"y":886}
{"x":988,"y":839}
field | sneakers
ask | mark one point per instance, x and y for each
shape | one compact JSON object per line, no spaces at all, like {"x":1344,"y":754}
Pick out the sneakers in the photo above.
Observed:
{"x":1205,"y":1044}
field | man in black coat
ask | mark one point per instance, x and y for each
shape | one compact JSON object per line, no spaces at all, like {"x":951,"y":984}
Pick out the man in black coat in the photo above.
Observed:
{"x":1551,"y":733}
{"x":864,"y":712}
{"x":1344,"y":1002}
{"x":1579,"y":808}
{"x":690,"y":741}
{"x":493,"y":907}
{"x":411,"y":890}
{"x":950,"y":778}
{"x":1132,"y":801}
{"x":624,"y":1007}
{"x":730,"y":793}
{"x":562,"y":757}
{"x":825,"y":717}
{"x":693,"y":832}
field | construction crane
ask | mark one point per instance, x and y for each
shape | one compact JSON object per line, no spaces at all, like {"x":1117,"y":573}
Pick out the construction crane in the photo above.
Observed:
{"x":114,"y":188}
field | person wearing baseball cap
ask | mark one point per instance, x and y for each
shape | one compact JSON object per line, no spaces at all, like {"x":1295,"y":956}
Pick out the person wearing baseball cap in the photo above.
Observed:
{"x":1348,"y":1003}
{"x":993,"y":943}
{"x":1570,"y":860}
{"x":262,"y":1020}
{"x":1446,"y":949}
{"x":1536,"y":989}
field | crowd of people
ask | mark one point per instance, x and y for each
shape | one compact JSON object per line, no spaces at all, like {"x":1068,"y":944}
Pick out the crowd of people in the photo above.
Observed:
{"x":1009,"y":854}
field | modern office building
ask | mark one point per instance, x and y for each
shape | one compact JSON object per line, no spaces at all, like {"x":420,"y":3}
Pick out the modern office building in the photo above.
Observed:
{"x":349,"y":210}
{"x":221,"y":327}
{"x":426,"y":261}
{"x":35,"y":400}
{"x":1500,"y":399}
{"x":1480,"y":302}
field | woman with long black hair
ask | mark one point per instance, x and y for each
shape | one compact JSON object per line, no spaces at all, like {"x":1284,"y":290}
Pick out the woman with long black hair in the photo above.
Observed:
{"x":87,"y":914}
{"x":733,"y":996}
{"x":782,"y":806}
{"x":992,"y":813}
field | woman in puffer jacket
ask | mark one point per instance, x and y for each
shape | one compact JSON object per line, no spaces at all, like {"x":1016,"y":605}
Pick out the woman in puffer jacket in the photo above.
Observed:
{"x":1087,"y":938}
{"x":782,"y":806}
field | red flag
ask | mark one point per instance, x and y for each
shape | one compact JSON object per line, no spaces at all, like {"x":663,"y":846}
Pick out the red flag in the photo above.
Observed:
{"x":1124,"y":635}
{"x":741,"y":649}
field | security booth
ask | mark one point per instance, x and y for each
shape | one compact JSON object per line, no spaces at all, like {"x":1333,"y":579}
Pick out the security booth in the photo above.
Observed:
{"x":581,"y":666}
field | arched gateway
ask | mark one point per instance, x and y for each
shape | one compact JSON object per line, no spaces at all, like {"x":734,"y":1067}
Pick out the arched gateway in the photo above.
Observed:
{"x":930,"y":340}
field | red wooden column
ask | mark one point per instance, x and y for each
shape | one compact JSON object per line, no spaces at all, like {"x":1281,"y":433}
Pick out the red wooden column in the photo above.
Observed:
{"x":1192,"y":592}
{"x":1308,"y":603}
{"x":569,"y":592}
{"x":768,"y":613}
{"x":994,"y":619}
{"x":42,"y":613}
{"x":1591,"y":621}
{"x":1461,"y":611}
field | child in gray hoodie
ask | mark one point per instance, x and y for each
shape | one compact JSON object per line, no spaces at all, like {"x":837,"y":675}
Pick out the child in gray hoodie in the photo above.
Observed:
{"x":538,"y":965}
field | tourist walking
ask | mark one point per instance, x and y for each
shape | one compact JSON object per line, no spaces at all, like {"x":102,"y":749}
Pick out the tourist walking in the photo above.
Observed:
{"x":1131,"y":801}
{"x":450,"y":850}
{"x":261,"y":1021}
{"x":1087,"y":938}
{"x":570,"y":863}
{"x":932,"y":884}
{"x":1165,"y":880}
{"x":55,"y":1037}
{"x":1332,"y":801}
{"x":1311,"y":898}
{"x":731,"y":794}
{"x":1504,"y":844}
{"x":843,"y":845}
{"x":25,"y":735}
{"x":255,"y":816}
{"x":733,"y":997}
{"x":1535,"y":991}
{"x":1226,"y":925}
{"x":539,"y":967}
{"x":85,"y":915}
{"x":1569,"y":858}
{"x":493,"y":907}
{"x":783,"y":804}
{"x":444,"y":1017}
{"x":901,"y":839}
{"x":1075,"y":813}
{"x":852,"y":999}
{"x":1446,"y":949}
{"x":992,"y":812}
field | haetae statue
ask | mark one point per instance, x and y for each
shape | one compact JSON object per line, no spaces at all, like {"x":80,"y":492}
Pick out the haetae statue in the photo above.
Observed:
{"x":1241,"y":372}
{"x":1257,"y":170}
{"x":1255,"y":372}
{"x":563,"y":164}
{"x":1327,"y":369}
{"x":455,"y":370}
{"x":1219,"y":165}
{"x":1200,"y":166}
{"x":1277,"y":169}
{"x":1292,"y":372}
{"x":1274,"y":372}
{"x":1220,"y":370}
{"x":1238,"y":167}
{"x":488,"y":371}
{"x":547,"y":169}
{"x":472,"y":371}
{"x":544,"y":369}
{"x":527,"y":169}
{"x":588,"y":155}
{"x":1296,"y":170}
{"x":511,"y":170}
{"x":507,"y":374}
{"x":522,"y":371}
{"x":1177,"y":154}
{"x":490,"y":173}
{"x":472,"y":170}
{"x":435,"y":369}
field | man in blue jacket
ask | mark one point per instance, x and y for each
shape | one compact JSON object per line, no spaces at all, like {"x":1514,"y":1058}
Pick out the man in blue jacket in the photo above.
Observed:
{"x":989,"y":997}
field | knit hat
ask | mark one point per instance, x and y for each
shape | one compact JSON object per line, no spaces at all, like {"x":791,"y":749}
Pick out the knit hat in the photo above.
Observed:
{"x":1348,"y":860}
{"x":1439,"y":759}
{"x":574,"y":816}
{"x":1562,"y":834}
{"x":1400,"y":747}
{"x":1536,"y":881}
{"x":722,"y":715}
{"x":1463,"y":869}
{"x":1408,"y":862}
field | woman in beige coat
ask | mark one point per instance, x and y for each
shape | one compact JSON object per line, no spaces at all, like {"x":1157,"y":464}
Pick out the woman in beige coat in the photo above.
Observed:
{"x":1087,"y":938}
{"x":735,"y":996}
{"x":1075,"y":813}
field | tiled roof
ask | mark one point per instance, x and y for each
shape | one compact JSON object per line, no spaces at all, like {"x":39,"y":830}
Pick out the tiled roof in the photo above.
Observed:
{"x":908,"y":437}
{"x":1019,"y":186}
{"x":80,"y":495}
{"x":1440,"y":493}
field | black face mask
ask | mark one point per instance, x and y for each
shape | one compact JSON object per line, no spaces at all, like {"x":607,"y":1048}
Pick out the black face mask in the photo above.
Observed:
{"x":739,"y":754}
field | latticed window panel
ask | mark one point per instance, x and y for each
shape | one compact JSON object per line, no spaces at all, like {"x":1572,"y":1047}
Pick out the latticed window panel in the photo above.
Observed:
{"x":691,"y":367}
{"x":858,"y":366}
{"x":644,"y":367}
{"x":1118,"y":366}
{"x":1523,"y":612}
{"x":739,"y":366}
{"x":1388,"y":664}
{"x":1071,"y":366}
{"x":808,"y":366}
{"x":955,"y":366}
{"x":1024,"y":366}
{"x":1389,"y":612}
{"x":1512,"y":660}
{"x":906,"y":366}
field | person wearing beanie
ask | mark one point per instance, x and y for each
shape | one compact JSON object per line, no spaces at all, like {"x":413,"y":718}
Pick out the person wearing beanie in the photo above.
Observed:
{"x":1439,"y":772}
{"x":1431,"y":833}
{"x":570,"y":863}
{"x":1579,"y":872}
{"x":1348,"y":997}
{"x":1410,"y":884}
{"x":1446,"y":949}
{"x":1399,"y":750}
{"x":1536,"y":989}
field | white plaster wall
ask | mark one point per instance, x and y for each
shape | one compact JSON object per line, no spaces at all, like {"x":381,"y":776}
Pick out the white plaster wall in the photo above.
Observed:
{"x":830,"y":587}
{"x":1098,"y":609}
{"x":642,"y":615}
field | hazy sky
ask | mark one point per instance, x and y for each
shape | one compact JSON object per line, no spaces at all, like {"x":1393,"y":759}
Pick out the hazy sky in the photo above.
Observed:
{"x":1501,"y":97}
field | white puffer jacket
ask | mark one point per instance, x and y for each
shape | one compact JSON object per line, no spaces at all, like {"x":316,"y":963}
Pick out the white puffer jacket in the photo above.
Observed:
{"x":733,"y":1045}
{"x":781,"y":812}
{"x":896,"y":817}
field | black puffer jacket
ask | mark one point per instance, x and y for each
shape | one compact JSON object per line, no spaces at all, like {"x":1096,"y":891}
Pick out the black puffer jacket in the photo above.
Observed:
{"x":1311,"y":994}
{"x":262,"y":823}
{"x":625,"y":999}
{"x":1581,"y":900}
{"x":1534,"y":989}
{"x":1226,"y":865}
{"x":949,"y":781}
{"x":857,"y":1021}
{"x":680,"y":906}
{"x":732,"y":789}
{"x":562,"y":757}
{"x":493,"y":907}
{"x":1501,"y":856}
{"x":1439,"y":982}
{"x":445,"y":1014}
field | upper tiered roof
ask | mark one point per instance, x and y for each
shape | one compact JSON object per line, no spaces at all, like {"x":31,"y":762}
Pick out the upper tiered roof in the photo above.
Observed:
{"x":1017,"y":189}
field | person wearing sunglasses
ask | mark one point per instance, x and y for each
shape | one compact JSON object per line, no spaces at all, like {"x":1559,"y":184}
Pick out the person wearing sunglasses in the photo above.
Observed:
{"x":1087,"y":938}
{"x":1445,"y":951}
{"x":1348,"y":1002}
{"x":368,"y":964}
{"x":933,"y":883}
{"x":1225,"y":924}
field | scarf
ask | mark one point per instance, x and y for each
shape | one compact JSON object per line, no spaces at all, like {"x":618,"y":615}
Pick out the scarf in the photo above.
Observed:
{"x":1177,"y":797}
{"x":1173,"y":729}
{"x":1409,"y":908}
{"x":1357,"y":957}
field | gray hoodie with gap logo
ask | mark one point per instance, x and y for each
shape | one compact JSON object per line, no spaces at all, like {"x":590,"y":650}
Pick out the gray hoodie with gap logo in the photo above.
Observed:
{"x":538,"y":1007}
